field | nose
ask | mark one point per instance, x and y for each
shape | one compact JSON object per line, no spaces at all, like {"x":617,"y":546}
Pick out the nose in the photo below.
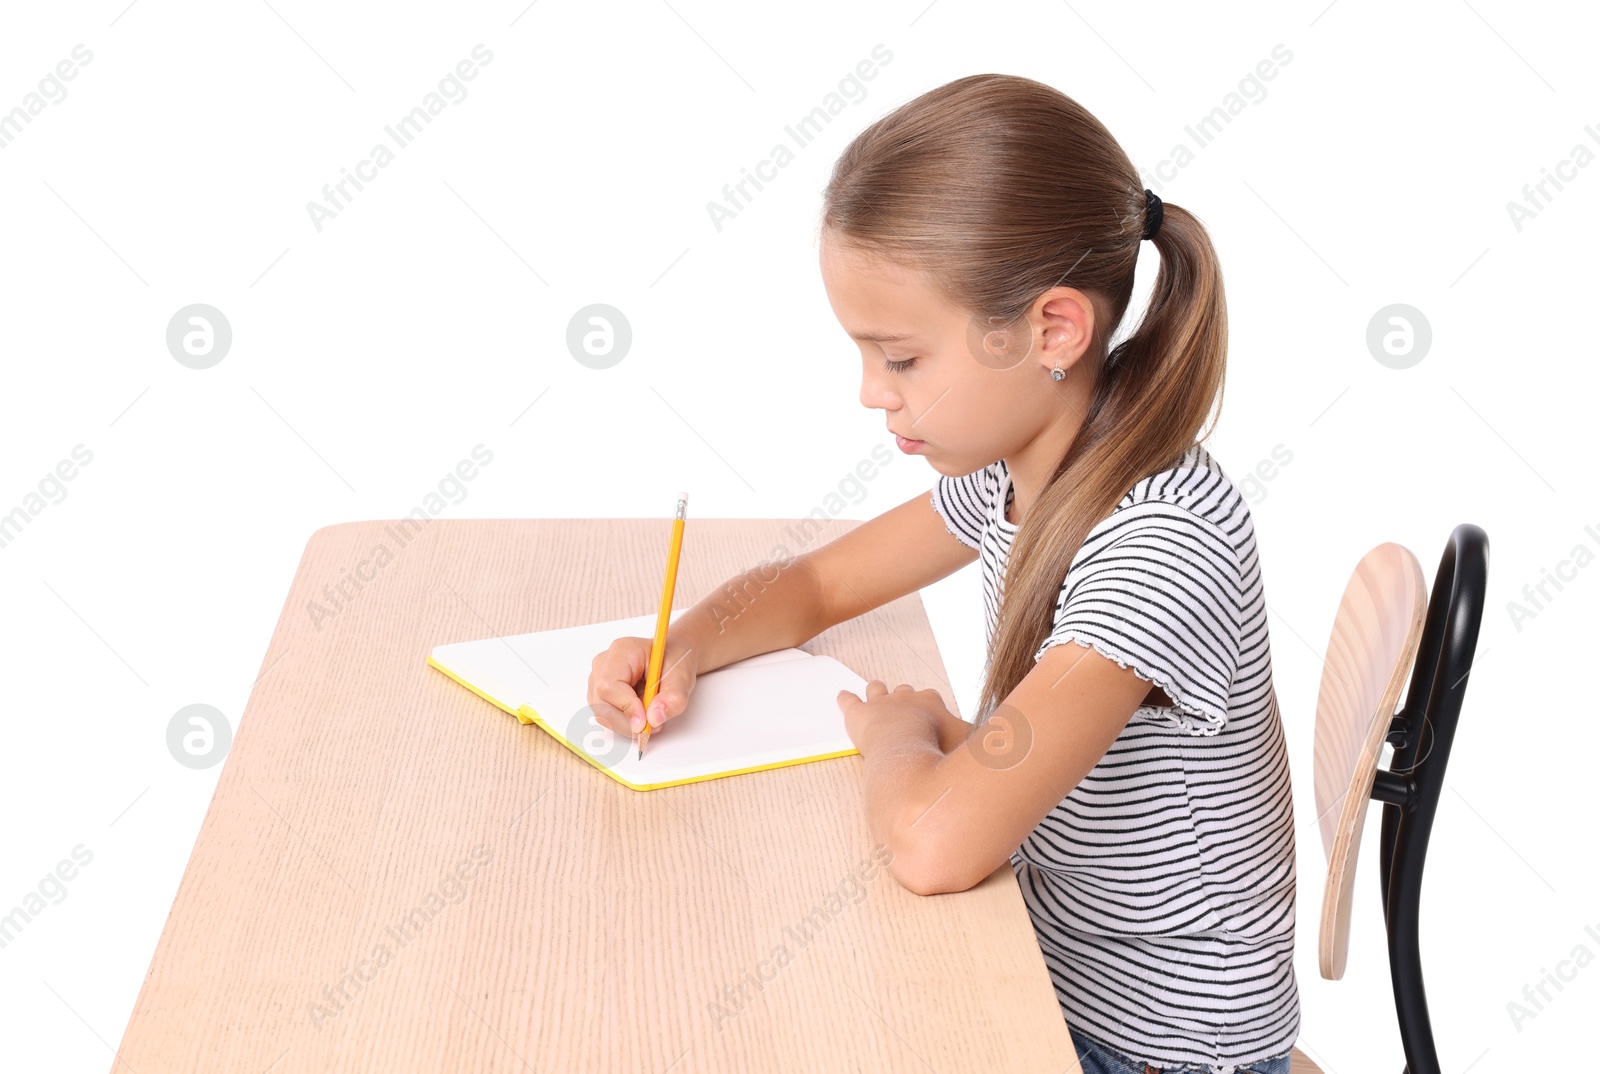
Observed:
{"x":876,"y":391}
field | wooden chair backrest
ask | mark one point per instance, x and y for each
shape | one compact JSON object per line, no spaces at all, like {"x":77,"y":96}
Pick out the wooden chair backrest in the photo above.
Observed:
{"x":1371,"y":651}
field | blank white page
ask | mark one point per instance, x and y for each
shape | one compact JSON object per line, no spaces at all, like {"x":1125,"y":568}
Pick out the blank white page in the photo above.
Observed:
{"x":769,"y":710}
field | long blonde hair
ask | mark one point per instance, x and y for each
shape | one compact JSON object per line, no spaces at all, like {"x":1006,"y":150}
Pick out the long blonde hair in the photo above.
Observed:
{"x":999,"y":188}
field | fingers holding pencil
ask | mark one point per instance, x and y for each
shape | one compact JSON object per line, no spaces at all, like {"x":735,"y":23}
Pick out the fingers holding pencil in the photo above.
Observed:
{"x":616,"y":685}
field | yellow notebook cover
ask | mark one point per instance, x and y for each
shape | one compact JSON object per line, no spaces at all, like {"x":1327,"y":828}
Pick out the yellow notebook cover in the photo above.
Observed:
{"x":768,"y":711}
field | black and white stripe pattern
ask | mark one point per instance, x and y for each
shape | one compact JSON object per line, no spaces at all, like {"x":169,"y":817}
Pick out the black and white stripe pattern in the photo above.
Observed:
{"x":1162,"y":889}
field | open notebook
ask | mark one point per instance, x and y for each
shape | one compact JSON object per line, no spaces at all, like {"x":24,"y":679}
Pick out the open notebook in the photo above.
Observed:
{"x":768,"y":711}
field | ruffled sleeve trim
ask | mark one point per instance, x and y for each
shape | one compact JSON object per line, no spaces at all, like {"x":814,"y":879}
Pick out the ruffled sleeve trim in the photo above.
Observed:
{"x":1186,"y":714}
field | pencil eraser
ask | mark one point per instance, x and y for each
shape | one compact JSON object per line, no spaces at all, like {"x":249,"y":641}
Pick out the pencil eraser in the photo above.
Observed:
{"x":683,"y":495}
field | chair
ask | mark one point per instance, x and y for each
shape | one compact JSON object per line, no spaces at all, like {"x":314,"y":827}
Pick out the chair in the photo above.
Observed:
{"x":1380,"y":632}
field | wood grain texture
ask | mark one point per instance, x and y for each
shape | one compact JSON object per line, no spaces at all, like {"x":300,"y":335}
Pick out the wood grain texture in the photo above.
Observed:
{"x":597,"y":928}
{"x":1301,"y":1063}
{"x":1372,"y":648}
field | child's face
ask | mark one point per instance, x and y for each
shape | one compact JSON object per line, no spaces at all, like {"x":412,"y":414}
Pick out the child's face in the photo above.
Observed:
{"x":968,"y":404}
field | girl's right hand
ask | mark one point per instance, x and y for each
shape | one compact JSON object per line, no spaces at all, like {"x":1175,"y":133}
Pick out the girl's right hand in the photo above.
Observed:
{"x":616,"y":685}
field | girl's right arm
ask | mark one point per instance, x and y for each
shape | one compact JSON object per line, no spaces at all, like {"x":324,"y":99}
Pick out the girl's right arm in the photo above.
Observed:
{"x":778,"y":607}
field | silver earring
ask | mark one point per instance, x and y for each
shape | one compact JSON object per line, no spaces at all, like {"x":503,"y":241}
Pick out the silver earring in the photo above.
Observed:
{"x":1057,"y":373}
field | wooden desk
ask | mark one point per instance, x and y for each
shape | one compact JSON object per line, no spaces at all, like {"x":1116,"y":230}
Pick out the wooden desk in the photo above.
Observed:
{"x":516,"y":911}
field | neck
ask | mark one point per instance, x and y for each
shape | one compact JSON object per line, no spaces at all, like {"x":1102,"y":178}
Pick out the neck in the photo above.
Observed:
{"x":1032,"y":466}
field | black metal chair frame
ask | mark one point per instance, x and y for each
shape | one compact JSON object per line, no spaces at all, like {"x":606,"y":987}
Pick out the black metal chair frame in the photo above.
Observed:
{"x":1421,"y":733}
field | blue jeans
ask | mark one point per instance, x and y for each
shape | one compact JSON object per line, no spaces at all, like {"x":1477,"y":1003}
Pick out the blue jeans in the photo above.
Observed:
{"x":1096,"y":1058}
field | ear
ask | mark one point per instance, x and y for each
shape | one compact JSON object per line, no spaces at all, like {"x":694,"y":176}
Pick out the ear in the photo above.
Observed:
{"x":1063,"y":318}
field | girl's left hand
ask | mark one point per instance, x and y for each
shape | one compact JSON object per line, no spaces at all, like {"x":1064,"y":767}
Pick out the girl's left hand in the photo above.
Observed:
{"x":888,"y":710}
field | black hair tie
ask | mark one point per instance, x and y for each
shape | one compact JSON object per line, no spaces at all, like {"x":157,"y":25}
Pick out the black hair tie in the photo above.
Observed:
{"x":1152,"y":214}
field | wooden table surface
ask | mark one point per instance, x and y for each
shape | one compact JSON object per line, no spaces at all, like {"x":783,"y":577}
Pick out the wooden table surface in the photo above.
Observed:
{"x":395,"y":875}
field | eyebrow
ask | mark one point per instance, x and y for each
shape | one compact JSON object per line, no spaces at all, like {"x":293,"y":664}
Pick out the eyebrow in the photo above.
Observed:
{"x":877,"y":337}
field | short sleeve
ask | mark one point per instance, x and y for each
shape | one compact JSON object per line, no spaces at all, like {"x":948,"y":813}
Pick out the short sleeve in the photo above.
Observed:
{"x":964,"y":503}
{"x":1160,"y":590}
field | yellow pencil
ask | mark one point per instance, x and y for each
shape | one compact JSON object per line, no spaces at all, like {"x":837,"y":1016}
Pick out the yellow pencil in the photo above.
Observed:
{"x":658,"y":648}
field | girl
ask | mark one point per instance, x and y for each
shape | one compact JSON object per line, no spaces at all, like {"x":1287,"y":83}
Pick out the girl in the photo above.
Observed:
{"x":979,"y":244}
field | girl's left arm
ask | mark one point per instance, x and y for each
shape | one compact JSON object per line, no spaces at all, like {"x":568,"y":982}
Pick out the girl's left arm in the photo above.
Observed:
{"x":952,"y":801}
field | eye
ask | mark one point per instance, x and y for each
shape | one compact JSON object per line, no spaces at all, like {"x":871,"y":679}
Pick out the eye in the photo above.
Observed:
{"x":897,"y":367}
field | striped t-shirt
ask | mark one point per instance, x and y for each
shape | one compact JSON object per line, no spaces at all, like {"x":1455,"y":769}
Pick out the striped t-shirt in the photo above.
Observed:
{"x":1162,"y":889}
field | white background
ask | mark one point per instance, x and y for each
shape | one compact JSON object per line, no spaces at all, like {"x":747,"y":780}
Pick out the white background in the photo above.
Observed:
{"x":430,"y":316}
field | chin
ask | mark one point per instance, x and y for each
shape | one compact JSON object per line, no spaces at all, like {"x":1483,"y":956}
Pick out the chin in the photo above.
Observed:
{"x":950,"y":468}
